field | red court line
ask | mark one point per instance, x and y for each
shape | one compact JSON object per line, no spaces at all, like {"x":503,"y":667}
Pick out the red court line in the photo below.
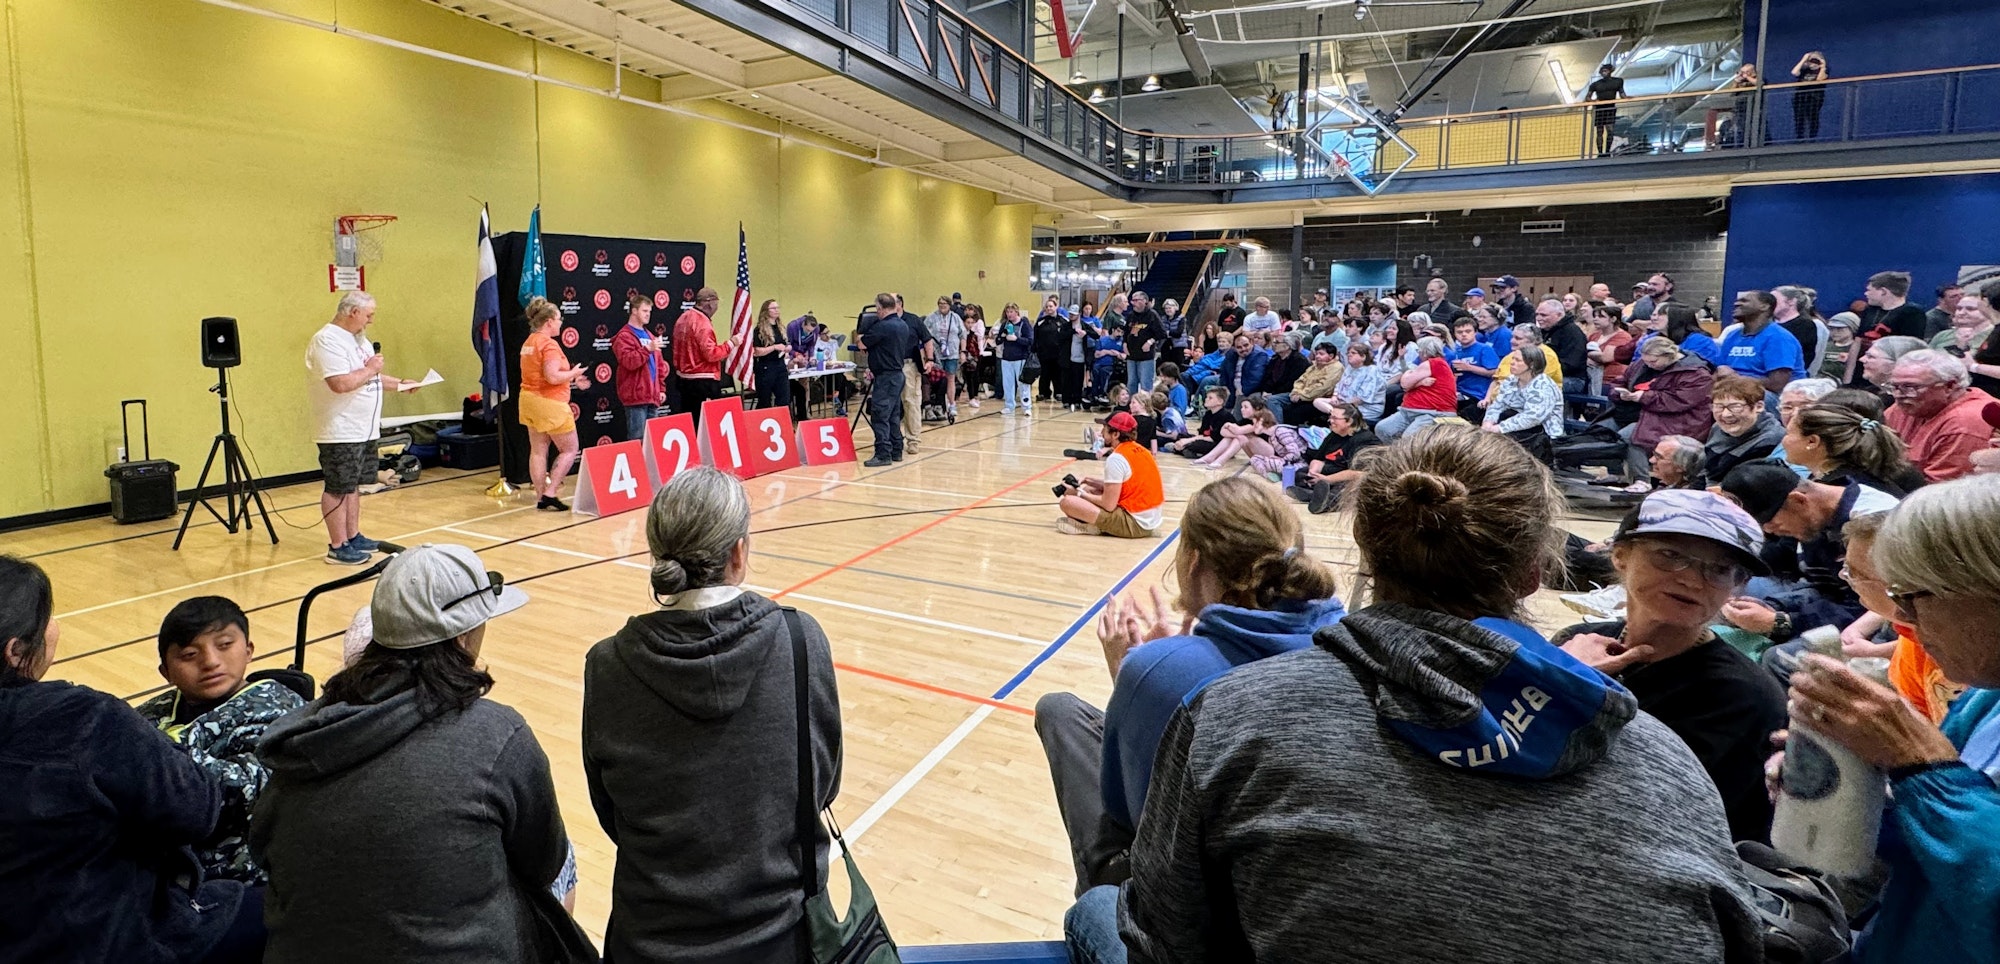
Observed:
{"x":929,"y":688}
{"x":920,"y":530}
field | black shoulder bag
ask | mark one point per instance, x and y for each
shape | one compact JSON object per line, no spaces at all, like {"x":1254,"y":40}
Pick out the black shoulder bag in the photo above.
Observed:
{"x":862,"y":938}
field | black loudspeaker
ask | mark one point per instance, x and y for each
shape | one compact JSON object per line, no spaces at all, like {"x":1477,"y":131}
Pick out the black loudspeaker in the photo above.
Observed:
{"x":219,"y":347}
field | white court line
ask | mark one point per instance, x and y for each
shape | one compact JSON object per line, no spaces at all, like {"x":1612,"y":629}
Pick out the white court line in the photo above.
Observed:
{"x":922,"y":620}
{"x":251,"y":572}
{"x":567,"y":552}
{"x":476,"y":535}
{"x":917,"y":773}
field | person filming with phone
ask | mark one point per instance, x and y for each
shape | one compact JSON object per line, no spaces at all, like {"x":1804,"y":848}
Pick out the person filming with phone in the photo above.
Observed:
{"x":1126,"y":502}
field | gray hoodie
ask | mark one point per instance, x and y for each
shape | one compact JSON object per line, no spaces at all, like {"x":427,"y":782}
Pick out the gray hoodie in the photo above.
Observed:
{"x":690,"y":747}
{"x":393,"y":838}
{"x":1417,"y":787}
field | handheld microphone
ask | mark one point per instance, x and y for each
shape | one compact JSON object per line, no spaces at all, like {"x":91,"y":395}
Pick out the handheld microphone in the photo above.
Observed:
{"x":378,"y":347}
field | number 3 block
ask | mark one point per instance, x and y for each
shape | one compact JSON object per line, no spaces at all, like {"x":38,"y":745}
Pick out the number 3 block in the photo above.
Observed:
{"x":767,"y":441}
{"x":826,"y":441}
{"x":614,"y":479}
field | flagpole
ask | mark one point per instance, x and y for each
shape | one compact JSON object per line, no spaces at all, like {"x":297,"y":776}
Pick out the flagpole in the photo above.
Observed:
{"x":501,"y":489}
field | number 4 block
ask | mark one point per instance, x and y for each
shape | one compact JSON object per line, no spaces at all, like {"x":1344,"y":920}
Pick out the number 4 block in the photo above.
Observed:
{"x":614,"y":480}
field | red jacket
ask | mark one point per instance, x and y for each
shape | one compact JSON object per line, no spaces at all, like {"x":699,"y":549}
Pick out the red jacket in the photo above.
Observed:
{"x":1675,"y":403}
{"x":636,"y":385}
{"x":696,"y":352}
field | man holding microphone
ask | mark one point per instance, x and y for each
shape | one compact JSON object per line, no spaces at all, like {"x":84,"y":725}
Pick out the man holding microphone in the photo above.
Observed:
{"x":345,"y":389}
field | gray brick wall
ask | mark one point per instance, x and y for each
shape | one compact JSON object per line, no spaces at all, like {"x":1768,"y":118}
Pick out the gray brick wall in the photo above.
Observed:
{"x":1615,"y":243}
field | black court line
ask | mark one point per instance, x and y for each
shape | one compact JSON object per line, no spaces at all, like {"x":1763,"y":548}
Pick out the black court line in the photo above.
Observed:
{"x":536,"y":535}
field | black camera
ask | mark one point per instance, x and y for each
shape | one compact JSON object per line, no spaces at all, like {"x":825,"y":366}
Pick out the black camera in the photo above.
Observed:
{"x":1062,"y":488}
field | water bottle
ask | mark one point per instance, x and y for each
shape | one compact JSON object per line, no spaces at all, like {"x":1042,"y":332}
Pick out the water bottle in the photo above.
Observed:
{"x":1829,"y":809}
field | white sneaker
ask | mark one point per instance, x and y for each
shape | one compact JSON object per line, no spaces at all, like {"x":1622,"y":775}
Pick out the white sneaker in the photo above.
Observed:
{"x":1604,"y":602}
{"x":1073,"y":527}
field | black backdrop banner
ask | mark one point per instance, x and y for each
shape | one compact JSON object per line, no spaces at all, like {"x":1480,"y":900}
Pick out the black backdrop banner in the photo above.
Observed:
{"x":589,"y":279}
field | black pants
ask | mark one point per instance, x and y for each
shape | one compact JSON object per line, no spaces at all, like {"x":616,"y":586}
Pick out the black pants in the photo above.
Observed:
{"x":885,"y":414}
{"x":1806,"y":104}
{"x":1602,"y":130}
{"x":774,"y":382}
{"x":695,"y":391}
{"x":1534,"y":439}
{"x":1392,"y":399}
{"x":1046,"y":388}
{"x":1073,"y":374}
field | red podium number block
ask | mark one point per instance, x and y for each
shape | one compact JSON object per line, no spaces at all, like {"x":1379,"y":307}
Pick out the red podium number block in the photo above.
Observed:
{"x":722,"y":435}
{"x":767,"y":440}
{"x":614,"y":479}
{"x":671,"y":446}
{"x":826,"y":441}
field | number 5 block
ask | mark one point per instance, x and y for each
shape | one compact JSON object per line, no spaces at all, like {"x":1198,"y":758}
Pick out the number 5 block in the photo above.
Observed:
{"x":826,"y":441}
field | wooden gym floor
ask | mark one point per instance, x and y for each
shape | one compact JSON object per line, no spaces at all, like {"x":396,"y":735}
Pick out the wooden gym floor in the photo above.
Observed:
{"x":951,"y":600}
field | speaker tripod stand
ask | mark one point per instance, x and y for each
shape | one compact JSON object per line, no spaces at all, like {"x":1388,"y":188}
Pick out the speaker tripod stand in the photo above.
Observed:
{"x":239,"y":486}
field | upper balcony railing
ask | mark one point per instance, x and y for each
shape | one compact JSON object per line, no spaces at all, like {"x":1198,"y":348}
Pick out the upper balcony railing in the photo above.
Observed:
{"x":941,"y":43}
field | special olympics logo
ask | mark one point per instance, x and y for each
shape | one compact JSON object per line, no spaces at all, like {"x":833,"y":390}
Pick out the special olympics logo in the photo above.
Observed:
{"x":660,"y":258}
{"x":631,"y":264}
{"x":575,"y":412}
{"x":661,"y":300}
{"x":602,"y":256}
{"x":569,"y":294}
{"x":603,"y":330}
{"x":603,"y":374}
{"x":569,"y":337}
{"x":568,"y":261}
{"x":631,"y":295}
{"x":602,"y":300}
{"x":687,"y":264}
{"x":603,"y":404}
{"x":687,"y":294}
{"x":606,"y":440}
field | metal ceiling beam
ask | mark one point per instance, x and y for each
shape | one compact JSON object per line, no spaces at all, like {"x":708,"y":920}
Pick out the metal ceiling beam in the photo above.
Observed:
{"x":586,"y":17}
{"x":886,"y":132}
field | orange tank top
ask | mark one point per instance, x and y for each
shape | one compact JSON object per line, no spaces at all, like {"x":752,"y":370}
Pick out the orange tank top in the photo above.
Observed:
{"x":1918,"y":678}
{"x":1142,"y":491}
{"x":536,"y":352}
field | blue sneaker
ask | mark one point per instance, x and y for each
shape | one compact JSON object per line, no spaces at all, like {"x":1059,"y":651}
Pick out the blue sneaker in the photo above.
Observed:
{"x":345,"y":555}
{"x":364,"y":543}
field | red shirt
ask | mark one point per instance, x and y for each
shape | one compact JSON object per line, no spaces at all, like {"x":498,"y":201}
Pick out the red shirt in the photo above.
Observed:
{"x":1942,"y":445}
{"x":696,"y":352}
{"x":1440,"y":395}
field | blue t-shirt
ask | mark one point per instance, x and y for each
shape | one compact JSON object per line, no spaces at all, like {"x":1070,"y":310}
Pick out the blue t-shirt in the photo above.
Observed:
{"x":1754,"y":356}
{"x":1698,"y":343}
{"x":1499,"y":339}
{"x":1473,"y":384}
{"x":1107,"y":343}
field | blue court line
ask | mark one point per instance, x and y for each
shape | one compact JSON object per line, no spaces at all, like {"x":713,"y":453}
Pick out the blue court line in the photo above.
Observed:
{"x":1083,"y":620}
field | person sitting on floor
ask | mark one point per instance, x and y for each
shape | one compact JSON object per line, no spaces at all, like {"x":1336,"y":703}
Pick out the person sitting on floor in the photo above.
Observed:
{"x":1680,"y":557}
{"x":1429,"y":747}
{"x":1676,"y":463}
{"x":1247,"y":590}
{"x":99,"y":817}
{"x":1127,"y":501}
{"x":1318,"y":381}
{"x":218,"y":718}
{"x":1329,"y":466}
{"x":1170,"y":425}
{"x":1744,"y":431}
{"x":1215,"y":416}
{"x":1252,"y":435}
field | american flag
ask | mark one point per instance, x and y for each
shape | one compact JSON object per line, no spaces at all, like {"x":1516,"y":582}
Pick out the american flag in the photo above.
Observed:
{"x":739,"y":317}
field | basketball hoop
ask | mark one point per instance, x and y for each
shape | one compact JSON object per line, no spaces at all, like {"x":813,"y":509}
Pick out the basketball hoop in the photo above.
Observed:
{"x":360,"y":237}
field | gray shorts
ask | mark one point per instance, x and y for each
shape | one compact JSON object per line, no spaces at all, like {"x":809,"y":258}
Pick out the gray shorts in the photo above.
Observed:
{"x":345,"y":465}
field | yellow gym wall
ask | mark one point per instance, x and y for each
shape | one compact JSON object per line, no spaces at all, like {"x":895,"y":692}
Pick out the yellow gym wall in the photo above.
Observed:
{"x":168,"y":160}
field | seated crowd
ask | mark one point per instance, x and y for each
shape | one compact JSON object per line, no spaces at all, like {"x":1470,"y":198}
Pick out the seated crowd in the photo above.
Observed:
{"x":1331,"y":763}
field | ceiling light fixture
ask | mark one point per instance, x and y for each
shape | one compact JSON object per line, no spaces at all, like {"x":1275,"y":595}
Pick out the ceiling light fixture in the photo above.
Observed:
{"x":1361,"y":9}
{"x":1076,"y":72}
{"x":1152,"y":83}
{"x":1097,"y":95}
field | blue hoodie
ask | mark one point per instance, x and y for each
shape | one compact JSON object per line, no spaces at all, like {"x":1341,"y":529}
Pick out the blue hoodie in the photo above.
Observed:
{"x":1157,"y":677}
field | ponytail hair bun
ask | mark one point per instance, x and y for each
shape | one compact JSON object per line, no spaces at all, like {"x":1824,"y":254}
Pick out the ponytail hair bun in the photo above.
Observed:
{"x":1434,"y":504}
{"x":1247,"y":536}
{"x":669,"y":579}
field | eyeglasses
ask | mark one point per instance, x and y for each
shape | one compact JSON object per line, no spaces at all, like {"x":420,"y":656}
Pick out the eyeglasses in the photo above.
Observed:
{"x":1732,"y":408}
{"x":1906,"y":388}
{"x":1721,"y":575}
{"x":1847,"y":574}
{"x":494,"y":583}
{"x":1906,"y":599}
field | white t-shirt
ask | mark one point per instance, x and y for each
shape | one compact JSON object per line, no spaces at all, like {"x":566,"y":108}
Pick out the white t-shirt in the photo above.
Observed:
{"x":1117,"y":469}
{"x":352,"y":417}
{"x":1262,"y":321}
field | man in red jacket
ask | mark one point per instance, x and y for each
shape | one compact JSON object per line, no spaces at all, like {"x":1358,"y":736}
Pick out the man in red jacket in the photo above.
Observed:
{"x":641,"y":371}
{"x":697,"y":355}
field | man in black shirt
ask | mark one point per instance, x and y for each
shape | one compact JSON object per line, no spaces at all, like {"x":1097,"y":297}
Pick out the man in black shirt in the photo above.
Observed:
{"x":1286,"y":365}
{"x":1572,"y":347}
{"x":1515,"y":309}
{"x":1329,"y":466}
{"x":1441,"y":310}
{"x":1145,"y":334}
{"x":1890,"y":292}
{"x":1604,"y":117}
{"x":1938,"y":318}
{"x":1230,"y":316}
{"x":889,"y":341}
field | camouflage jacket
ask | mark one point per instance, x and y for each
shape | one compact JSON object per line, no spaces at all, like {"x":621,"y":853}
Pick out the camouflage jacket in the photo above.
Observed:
{"x":223,"y":741}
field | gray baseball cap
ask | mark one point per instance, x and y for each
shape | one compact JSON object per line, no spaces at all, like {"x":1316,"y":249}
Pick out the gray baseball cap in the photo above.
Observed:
{"x":432,"y":593}
{"x":1703,"y":514}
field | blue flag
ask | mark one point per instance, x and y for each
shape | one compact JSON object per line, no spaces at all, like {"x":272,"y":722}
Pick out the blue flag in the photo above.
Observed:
{"x":534,"y":274}
{"x":486,"y":338}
